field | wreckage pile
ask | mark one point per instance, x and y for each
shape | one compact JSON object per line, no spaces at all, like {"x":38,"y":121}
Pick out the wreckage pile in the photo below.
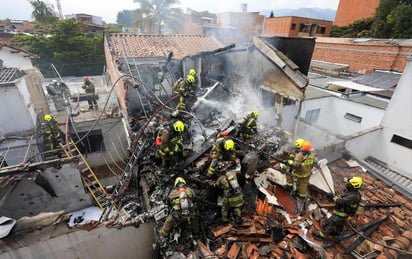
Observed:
{"x":274,"y":224}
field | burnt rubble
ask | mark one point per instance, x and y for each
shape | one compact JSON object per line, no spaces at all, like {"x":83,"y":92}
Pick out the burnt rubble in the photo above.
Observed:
{"x":274,"y":224}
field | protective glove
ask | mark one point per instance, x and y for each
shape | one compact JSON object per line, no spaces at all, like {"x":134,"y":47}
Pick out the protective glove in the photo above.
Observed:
{"x":330,"y":196}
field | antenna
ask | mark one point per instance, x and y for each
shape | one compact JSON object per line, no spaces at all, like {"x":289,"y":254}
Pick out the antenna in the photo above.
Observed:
{"x":59,"y":8}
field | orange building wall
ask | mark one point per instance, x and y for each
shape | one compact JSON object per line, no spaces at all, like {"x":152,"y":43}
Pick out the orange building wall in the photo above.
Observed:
{"x":364,"y":57}
{"x":282,"y":26}
{"x":350,"y":11}
{"x":278,"y":26}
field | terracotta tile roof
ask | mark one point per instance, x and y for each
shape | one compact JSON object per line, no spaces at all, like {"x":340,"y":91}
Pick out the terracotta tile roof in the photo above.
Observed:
{"x":396,"y":227}
{"x":138,"y":45}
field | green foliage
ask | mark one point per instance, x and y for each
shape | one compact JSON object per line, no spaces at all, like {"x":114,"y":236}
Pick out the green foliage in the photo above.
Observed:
{"x":43,"y":13}
{"x":158,"y":16}
{"x":360,"y":28}
{"x":393,"y":19}
{"x":72,"y":52}
{"x":127,"y":17}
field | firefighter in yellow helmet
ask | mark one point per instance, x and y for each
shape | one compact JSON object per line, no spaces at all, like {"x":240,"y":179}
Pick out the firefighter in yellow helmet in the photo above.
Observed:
{"x":52,"y":134}
{"x":169,"y":140}
{"x":247,"y":127}
{"x":302,"y":166}
{"x":90,"y":90}
{"x":185,"y":89}
{"x":223,"y":150}
{"x":232,"y":196}
{"x":289,"y":157}
{"x":192,"y":72}
{"x":183,"y":210}
{"x":346,"y":205}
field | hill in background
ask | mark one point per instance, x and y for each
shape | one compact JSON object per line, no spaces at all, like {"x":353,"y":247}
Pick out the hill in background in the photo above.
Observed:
{"x":314,"y":13}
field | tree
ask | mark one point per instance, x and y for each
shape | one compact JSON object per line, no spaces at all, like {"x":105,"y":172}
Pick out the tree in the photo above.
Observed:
{"x":127,"y":17}
{"x":72,"y":52}
{"x":42,"y":12}
{"x":393,"y":19}
{"x":271,"y":14}
{"x":158,"y":15}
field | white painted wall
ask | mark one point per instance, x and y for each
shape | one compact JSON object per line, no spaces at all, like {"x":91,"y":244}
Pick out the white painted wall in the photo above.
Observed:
{"x":17,"y":114}
{"x":397,"y":120}
{"x":333,"y":109}
{"x":16,"y":60}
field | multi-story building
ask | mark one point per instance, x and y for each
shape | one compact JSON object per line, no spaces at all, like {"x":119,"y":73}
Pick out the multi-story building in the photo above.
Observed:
{"x":350,"y":11}
{"x":294,"y":26}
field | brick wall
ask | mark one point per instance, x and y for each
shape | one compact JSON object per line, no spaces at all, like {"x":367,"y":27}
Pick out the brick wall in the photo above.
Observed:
{"x":351,"y":10}
{"x":363,"y":57}
{"x":289,"y":26}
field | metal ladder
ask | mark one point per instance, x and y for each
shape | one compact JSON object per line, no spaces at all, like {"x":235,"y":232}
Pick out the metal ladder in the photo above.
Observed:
{"x":89,"y":178}
{"x":124,"y":181}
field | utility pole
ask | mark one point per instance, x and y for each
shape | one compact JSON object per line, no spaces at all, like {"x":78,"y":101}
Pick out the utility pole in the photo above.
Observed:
{"x":59,"y":8}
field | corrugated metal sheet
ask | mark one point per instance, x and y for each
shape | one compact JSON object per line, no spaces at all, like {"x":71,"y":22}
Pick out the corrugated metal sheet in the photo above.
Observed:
{"x":379,"y":79}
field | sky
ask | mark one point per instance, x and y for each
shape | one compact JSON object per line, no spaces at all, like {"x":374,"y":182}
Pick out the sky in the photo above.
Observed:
{"x":108,"y":9}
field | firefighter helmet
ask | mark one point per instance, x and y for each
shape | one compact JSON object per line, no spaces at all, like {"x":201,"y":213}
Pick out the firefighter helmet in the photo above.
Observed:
{"x":256,"y":114}
{"x":48,"y":118}
{"x":190,"y":79}
{"x":356,"y":182}
{"x":192,"y":72}
{"x":306,"y":146}
{"x":180,"y":180}
{"x":229,"y":144}
{"x":299,"y":142}
{"x":179,"y":126}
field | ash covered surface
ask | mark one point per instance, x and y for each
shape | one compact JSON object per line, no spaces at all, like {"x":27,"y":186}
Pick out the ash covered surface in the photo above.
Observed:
{"x":274,"y":223}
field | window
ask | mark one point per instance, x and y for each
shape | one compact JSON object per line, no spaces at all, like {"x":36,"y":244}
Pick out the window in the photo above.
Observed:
{"x":92,"y":143}
{"x":320,"y":30}
{"x":304,"y":27}
{"x":312,"y":115}
{"x":353,"y":117}
{"x":293,"y":26}
{"x":402,"y":141}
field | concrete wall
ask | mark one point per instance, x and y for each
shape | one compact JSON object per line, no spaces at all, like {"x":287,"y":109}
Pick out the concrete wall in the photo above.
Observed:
{"x":14,"y":58}
{"x":396,"y":121}
{"x":115,"y":141}
{"x":350,"y":11}
{"x":102,"y":243}
{"x":333,"y":110}
{"x":22,"y":117}
{"x":326,"y":143}
{"x":363,"y":56}
{"x":27,"y":198}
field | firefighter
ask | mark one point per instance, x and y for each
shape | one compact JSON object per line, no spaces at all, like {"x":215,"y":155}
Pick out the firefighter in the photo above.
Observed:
{"x":170,"y":141}
{"x":302,"y":167}
{"x":232,"y":196}
{"x":290,"y":155}
{"x":51,"y":132}
{"x":223,"y":150}
{"x":185,"y":89}
{"x":183,"y":210}
{"x":247,"y":127}
{"x":90,"y":90}
{"x":346,"y":205}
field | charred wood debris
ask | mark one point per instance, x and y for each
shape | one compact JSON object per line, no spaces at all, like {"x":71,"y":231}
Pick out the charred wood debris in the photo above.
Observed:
{"x":279,"y":229}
